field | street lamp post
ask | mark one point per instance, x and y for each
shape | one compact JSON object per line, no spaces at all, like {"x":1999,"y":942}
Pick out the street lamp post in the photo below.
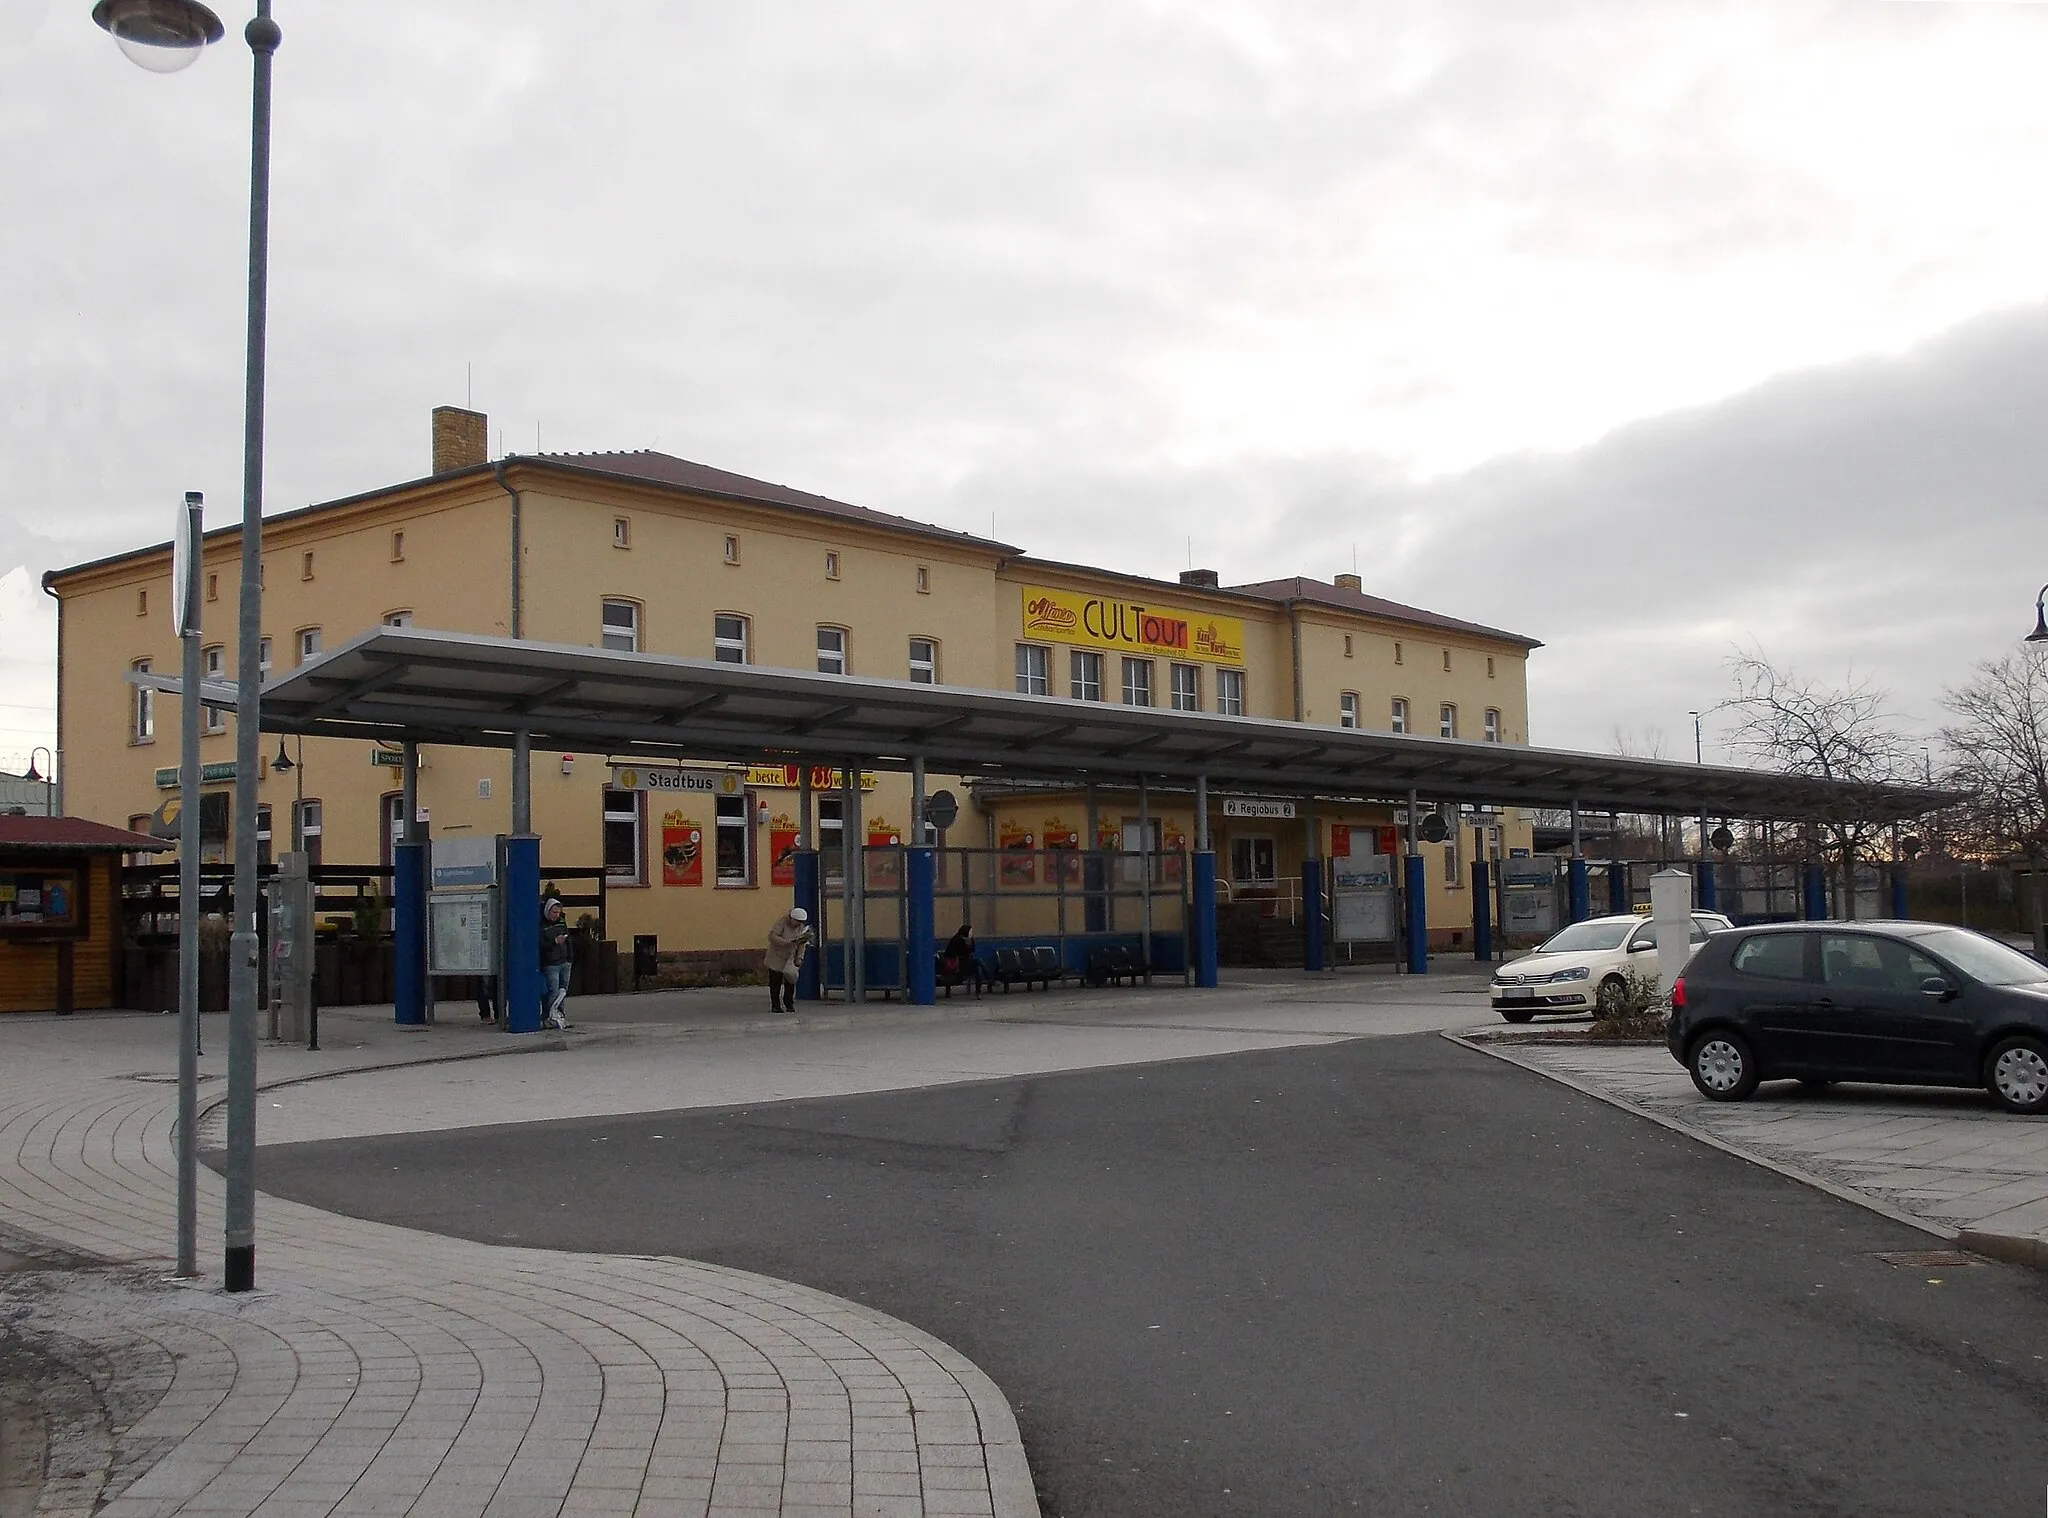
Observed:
{"x":35,"y":776}
{"x":162,"y":36}
{"x":1699,"y":756}
{"x":283,"y":764}
{"x":2040,"y":632}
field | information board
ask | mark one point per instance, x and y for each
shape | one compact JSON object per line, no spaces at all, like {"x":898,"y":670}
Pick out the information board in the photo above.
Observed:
{"x":1362,"y":916}
{"x":463,"y":860}
{"x":461,"y":939}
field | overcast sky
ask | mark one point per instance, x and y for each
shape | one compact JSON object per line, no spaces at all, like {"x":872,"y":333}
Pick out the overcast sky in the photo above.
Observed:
{"x":1646,"y":330}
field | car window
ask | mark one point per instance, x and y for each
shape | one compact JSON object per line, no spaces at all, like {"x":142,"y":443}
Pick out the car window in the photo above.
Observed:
{"x":1583,"y":936}
{"x":1698,"y":933}
{"x":1983,"y":958}
{"x":1645,"y":938}
{"x":1777,"y":956}
{"x":1860,"y":962}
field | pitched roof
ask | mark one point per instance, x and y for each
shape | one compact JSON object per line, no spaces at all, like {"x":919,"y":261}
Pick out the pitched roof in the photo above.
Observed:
{"x":1301,"y":588}
{"x":647,"y":467}
{"x":74,"y":835}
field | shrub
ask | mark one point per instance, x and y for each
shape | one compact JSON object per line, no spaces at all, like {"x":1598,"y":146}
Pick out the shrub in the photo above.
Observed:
{"x":1642,"y":1017}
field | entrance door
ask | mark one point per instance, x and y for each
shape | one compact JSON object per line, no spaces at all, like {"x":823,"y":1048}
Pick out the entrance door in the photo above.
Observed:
{"x":1137,"y":839}
{"x":391,"y":823}
{"x":1883,"y":1022}
{"x":1252,"y":862}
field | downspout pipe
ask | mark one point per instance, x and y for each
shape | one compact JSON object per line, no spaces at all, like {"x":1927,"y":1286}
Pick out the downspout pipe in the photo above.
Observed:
{"x":57,"y":748}
{"x":518,"y":578}
{"x":1294,"y":632}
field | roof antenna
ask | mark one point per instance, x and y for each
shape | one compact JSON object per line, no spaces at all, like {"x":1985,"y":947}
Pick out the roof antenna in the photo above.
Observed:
{"x":469,"y":386}
{"x":1191,"y":551}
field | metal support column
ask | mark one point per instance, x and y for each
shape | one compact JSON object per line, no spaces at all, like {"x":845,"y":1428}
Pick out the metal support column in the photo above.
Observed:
{"x":188,"y":897}
{"x":1709,"y":895}
{"x":520,"y":965}
{"x":1145,"y":876}
{"x":1899,"y":890}
{"x":1619,"y":897}
{"x":852,"y":880}
{"x":804,"y":876}
{"x":522,"y":783}
{"x":410,"y":878}
{"x":1202,"y":912}
{"x":1813,"y":896}
{"x":1482,"y":917}
{"x":1414,"y":897}
{"x":1094,"y":911}
{"x":1312,"y":958}
{"x":919,"y":973}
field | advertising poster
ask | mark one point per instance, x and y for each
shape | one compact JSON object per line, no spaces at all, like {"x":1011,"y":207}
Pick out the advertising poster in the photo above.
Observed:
{"x":682,"y":850}
{"x":1067,"y":864}
{"x":782,"y":837}
{"x":1389,"y":840}
{"x":885,"y":867}
{"x":1019,"y":866}
{"x":1172,"y":840}
{"x":1340,"y":840}
{"x":1109,"y":834}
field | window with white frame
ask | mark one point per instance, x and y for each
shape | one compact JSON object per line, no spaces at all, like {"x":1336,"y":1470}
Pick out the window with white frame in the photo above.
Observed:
{"x":618,"y":626}
{"x":1032,"y":678}
{"x":734,"y":859}
{"x":1454,"y":864}
{"x":1230,"y":692}
{"x":398,"y":619}
{"x":729,"y":638}
{"x":832,"y":651}
{"x":263,"y":837}
{"x":311,"y":829}
{"x":1447,"y":721}
{"x":1492,"y":725}
{"x":263,"y":657}
{"x":1084,"y":675}
{"x":1187,"y":687}
{"x":1347,"y":709}
{"x":309,"y":643}
{"x":924,"y":661}
{"x":142,"y":711}
{"x":214,"y":661}
{"x":1137,"y":682}
{"x":1397,"y":715}
{"x":831,"y":564}
{"x":625,"y":831}
{"x":831,"y":840}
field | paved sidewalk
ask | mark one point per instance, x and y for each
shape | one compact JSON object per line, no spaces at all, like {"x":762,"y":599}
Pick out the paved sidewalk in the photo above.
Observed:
{"x":380,"y":1370}
{"x":1946,"y":1161}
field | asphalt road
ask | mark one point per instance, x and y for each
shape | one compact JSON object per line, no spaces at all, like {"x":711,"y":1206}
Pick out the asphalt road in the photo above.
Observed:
{"x":1387,"y":1276}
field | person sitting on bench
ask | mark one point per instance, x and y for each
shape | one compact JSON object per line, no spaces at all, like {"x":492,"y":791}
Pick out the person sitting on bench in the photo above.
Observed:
{"x":958,"y":963}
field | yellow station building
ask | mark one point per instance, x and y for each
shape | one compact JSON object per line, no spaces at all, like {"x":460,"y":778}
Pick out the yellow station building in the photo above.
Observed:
{"x":647,"y":552}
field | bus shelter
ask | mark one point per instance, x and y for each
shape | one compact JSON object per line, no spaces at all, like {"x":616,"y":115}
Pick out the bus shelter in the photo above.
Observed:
{"x":404,"y":687}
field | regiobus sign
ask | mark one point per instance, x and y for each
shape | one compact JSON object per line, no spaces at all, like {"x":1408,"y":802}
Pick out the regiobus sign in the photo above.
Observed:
{"x":1131,"y":626}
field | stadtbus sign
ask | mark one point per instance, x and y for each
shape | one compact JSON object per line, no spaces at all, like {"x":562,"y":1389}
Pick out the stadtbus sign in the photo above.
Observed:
{"x":1131,"y":626}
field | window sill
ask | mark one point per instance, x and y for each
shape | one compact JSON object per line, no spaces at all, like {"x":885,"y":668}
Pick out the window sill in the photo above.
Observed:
{"x":141,"y":742}
{"x":734,"y":885}
{"x":620,"y":883}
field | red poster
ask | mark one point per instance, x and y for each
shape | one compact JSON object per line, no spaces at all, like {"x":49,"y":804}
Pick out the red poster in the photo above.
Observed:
{"x":1172,"y":841}
{"x":682,"y":850}
{"x":1020,"y":866}
{"x":1067,"y":861}
{"x":1109,"y":834}
{"x":782,"y":851}
{"x":1340,"y":841}
{"x":1390,"y":841}
{"x":885,"y":870}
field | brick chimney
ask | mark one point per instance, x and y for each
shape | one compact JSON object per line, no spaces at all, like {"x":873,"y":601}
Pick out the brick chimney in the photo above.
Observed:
{"x":1205,"y":578}
{"x":461,"y":438}
{"x":1350,"y":582}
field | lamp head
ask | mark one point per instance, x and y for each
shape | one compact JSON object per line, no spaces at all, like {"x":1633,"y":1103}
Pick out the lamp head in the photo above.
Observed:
{"x":283,"y":762}
{"x":33,"y":774}
{"x":162,"y":36}
{"x":2040,"y":632}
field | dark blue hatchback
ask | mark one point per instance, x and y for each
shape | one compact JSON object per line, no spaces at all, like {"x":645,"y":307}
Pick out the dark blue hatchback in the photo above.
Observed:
{"x":1903,"y":1003}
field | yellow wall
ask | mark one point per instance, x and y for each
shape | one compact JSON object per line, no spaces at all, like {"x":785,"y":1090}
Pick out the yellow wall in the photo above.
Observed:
{"x":455,"y":574}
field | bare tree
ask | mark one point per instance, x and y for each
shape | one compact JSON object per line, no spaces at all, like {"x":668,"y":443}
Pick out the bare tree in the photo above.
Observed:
{"x":1846,"y":734}
{"x":1998,"y":755}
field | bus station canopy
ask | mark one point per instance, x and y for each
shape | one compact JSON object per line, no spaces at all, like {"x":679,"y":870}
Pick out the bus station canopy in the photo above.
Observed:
{"x":410,"y":685}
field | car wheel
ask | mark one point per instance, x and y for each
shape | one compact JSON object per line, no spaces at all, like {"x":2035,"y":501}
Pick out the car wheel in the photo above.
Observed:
{"x":2016,"y":1072}
{"x":1608,"y":1000}
{"x":1722,"y":1067}
{"x":1516,"y":1014}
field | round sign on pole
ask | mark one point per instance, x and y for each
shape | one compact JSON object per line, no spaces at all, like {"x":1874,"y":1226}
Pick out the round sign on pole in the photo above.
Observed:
{"x":1722,"y":839}
{"x":184,"y":564}
{"x":941,"y":809}
{"x":1434,"y":828}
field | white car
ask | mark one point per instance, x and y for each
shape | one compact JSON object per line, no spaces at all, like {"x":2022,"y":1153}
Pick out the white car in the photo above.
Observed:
{"x":1584,"y":968}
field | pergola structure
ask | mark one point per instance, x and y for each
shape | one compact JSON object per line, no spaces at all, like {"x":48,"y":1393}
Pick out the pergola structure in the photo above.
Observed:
{"x":406,"y":686}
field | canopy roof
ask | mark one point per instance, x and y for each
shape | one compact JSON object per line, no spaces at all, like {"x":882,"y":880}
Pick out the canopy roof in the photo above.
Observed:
{"x":395,"y":685}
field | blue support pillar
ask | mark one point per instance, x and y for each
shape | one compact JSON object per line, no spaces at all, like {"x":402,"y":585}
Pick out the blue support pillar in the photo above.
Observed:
{"x":522,"y":934}
{"x":1415,"y":911}
{"x":1619,"y":898}
{"x":805,"y":868}
{"x":1580,"y":898}
{"x":1709,"y":890}
{"x":1202,"y":930}
{"x":1813,"y":897}
{"x":409,"y":933}
{"x":1482,"y":918}
{"x":1312,"y":914}
{"x":919,"y":978}
{"x":1898,"y":891}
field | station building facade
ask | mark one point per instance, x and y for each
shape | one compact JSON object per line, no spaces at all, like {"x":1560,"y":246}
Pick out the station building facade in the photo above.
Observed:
{"x":647,"y":552}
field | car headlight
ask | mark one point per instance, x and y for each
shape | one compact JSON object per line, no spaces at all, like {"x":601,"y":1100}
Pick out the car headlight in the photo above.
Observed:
{"x":1579,"y":974}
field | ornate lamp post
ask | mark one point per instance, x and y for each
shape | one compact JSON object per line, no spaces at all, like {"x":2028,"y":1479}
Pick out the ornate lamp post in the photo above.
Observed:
{"x":164,"y":36}
{"x":2040,"y":632}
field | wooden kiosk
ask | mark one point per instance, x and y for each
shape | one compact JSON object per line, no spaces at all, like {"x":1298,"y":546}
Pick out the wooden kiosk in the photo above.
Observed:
{"x":60,"y":911}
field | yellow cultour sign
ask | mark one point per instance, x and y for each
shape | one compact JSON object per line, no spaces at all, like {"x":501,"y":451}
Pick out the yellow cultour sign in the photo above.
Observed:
{"x":1132,"y":626}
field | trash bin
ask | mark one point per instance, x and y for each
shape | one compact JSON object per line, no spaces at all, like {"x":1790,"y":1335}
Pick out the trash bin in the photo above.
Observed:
{"x":644,"y":960}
